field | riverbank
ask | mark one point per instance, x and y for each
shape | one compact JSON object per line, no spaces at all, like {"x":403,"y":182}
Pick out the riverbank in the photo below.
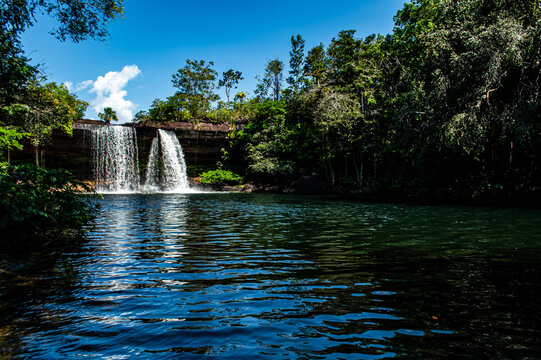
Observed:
{"x":309,"y":185}
{"x":206,"y":146}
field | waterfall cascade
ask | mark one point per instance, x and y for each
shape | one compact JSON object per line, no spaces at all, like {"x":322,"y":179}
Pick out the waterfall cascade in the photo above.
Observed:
{"x":116,"y":164}
{"x":166,"y":168}
{"x":116,"y":159}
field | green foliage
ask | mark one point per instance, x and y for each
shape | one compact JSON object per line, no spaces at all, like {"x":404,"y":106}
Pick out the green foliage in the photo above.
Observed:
{"x":108,"y":115}
{"x":266,"y":140}
{"x":266,"y":154}
{"x":220,"y":115}
{"x":141,"y":116}
{"x":449,"y":100}
{"x":174,"y":108}
{"x":41,"y":109}
{"x":38,"y":204}
{"x":296,"y":61}
{"x":75,"y":20}
{"x":10,"y":138}
{"x":28,"y":105}
{"x":220,"y":177}
{"x":196,"y":82}
{"x":229,"y":80}
{"x":343,"y":54}
{"x":272,"y":80}
{"x":316,"y":64}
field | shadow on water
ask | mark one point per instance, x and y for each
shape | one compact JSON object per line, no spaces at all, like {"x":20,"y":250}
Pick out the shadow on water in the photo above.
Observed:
{"x":30,"y":285}
{"x":265,"y":276}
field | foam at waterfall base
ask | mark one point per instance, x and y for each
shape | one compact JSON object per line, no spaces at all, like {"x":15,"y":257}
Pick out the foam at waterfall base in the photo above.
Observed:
{"x":116,"y":162}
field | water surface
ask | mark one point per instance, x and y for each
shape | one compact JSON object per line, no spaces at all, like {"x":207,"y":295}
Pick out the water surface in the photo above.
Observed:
{"x":232,"y":276}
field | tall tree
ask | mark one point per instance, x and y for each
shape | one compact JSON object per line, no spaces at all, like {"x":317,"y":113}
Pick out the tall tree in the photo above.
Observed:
{"x":271,"y":80}
{"x":315,"y":64}
{"x":229,"y":80}
{"x":343,"y":59}
{"x":196,"y":82}
{"x":274,"y":72}
{"x":296,"y":59}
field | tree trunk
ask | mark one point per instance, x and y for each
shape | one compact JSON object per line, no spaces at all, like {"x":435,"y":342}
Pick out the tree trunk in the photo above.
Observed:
{"x":375,"y":166}
{"x":36,"y":153}
{"x":361,"y":172}
{"x":42,"y":158}
{"x":358,"y":171}
{"x":9,"y":156}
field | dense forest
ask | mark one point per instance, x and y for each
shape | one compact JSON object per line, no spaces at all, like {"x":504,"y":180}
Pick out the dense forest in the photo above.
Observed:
{"x":445,"y":107}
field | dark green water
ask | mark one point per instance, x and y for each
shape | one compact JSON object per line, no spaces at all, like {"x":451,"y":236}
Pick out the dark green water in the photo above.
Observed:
{"x":230,"y":276}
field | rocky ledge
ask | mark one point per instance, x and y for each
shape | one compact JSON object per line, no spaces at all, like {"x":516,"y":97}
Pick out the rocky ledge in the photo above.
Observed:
{"x":202,"y":144}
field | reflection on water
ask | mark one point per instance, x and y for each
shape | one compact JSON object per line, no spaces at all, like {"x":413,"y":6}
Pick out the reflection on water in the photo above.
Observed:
{"x":239,"y":276}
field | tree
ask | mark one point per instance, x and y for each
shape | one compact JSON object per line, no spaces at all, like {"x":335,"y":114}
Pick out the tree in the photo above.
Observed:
{"x":229,"y":80}
{"x":20,"y":105}
{"x":296,"y":60}
{"x":315,"y":64}
{"x":37,"y":206}
{"x":10,"y":139}
{"x":274,"y":72}
{"x":269,"y":147}
{"x":107,"y":115}
{"x":43,"y":108}
{"x":196,"y":83}
{"x":343,"y":59}
{"x":76,"y":21}
{"x":272,"y":80}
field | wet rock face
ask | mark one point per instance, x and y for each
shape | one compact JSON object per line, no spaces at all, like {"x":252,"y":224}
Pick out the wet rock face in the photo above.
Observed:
{"x":202,"y":145}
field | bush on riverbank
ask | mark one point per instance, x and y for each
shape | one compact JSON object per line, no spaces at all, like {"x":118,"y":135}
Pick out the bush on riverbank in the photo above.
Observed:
{"x":40,"y":206}
{"x":220,"y":177}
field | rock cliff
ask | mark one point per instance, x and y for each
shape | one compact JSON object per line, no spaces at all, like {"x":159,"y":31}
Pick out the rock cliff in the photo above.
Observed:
{"x":202,"y":144}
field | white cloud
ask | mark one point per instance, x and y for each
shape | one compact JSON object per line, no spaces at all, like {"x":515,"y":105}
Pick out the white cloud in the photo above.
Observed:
{"x":84,"y":85}
{"x":109,"y":90}
{"x":68,"y":85}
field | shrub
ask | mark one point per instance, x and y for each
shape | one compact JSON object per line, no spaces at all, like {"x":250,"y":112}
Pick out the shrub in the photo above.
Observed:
{"x":220,"y":177}
{"x":40,"y":204}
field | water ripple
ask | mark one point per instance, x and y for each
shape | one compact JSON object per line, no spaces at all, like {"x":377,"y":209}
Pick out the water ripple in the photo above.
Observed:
{"x":241,"y":276}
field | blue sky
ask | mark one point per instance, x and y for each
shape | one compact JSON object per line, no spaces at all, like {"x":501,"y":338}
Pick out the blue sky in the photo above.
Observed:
{"x":153,"y":40}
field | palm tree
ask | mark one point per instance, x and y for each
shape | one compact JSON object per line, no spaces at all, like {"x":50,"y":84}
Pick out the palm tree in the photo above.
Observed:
{"x":107,"y":115}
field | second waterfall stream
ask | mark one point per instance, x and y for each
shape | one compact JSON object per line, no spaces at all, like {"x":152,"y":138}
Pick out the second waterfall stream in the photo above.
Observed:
{"x":166,"y":169}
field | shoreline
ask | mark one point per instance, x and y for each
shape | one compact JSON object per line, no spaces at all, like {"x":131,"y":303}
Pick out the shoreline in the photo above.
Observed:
{"x":435,"y":198}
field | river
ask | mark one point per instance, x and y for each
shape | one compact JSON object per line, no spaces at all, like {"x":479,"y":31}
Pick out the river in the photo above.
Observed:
{"x":234,"y":276}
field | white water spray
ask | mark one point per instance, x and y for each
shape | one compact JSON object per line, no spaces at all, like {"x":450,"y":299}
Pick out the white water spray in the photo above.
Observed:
{"x":166,"y":170}
{"x":116,"y":160}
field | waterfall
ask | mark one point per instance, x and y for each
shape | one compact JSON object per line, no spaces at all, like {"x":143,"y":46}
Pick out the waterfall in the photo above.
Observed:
{"x":116,"y":164}
{"x":152,"y":182}
{"x":116,"y":159}
{"x":166,"y":168}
